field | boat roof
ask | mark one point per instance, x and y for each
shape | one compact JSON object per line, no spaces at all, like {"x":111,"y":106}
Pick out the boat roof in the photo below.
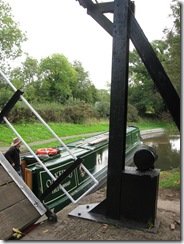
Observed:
{"x":131,"y":128}
{"x":83,"y":146}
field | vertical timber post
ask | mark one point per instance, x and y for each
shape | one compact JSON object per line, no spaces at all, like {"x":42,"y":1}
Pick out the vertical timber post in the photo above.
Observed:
{"x":118,"y":108}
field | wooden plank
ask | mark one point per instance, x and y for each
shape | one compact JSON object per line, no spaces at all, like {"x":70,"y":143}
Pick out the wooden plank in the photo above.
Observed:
{"x":11,"y":195}
{"x":17,"y":216}
{"x":28,"y":178}
{"x":5,"y":178}
{"x":19,"y":207}
{"x":96,"y":141}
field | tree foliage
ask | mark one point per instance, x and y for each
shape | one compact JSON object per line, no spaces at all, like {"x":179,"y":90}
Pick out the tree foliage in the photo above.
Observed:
{"x":54,"y":80}
{"x":143,"y":93}
{"x":103,"y":103}
{"x":11,"y":36}
{"x":173,"y":41}
{"x":83,"y":89}
{"x":25,"y":76}
{"x":56,"y":76}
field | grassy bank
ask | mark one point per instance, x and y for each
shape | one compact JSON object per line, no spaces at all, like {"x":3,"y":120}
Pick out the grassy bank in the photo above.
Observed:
{"x":170,"y":179}
{"x":38,"y":132}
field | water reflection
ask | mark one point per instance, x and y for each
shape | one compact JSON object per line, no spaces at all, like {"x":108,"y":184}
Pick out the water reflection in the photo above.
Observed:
{"x":175,"y":144}
{"x":167,"y":145}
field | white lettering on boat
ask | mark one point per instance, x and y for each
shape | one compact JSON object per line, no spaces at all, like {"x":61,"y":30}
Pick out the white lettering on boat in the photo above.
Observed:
{"x":49,"y":182}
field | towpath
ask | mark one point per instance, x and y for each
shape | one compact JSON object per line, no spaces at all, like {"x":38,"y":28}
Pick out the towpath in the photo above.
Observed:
{"x":144,"y":133}
{"x":37,"y":143}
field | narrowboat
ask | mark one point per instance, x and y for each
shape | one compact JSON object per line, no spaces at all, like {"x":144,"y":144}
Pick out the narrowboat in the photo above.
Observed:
{"x":70,"y":171}
{"x":94,"y":154}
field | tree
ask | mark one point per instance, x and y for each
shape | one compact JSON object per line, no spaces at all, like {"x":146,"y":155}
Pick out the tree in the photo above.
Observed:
{"x":172,"y":38}
{"x":143,"y":93}
{"x":56,"y":78}
{"x":103,"y":103}
{"x":83,"y":89}
{"x":11,"y":36}
{"x":25,"y":77}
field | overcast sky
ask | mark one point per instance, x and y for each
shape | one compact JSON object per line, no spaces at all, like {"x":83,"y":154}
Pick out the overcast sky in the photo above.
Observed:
{"x":63,"y":26}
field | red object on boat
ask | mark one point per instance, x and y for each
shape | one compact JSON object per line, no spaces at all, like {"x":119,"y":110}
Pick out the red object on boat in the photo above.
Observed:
{"x":48,"y":151}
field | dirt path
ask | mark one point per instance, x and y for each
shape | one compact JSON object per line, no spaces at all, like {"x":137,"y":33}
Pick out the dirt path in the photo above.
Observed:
{"x":24,"y":149}
{"x":37,"y":143}
{"x":69,"y":228}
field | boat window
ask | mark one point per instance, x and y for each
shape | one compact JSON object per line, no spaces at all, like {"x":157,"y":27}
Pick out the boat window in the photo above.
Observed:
{"x":135,"y":137}
{"x":128,"y":141}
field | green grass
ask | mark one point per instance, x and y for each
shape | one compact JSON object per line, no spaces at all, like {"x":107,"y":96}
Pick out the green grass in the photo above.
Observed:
{"x":37,"y":131}
{"x":154,"y":124}
{"x":170,"y":179}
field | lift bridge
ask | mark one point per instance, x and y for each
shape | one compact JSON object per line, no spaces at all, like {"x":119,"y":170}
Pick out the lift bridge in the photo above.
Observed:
{"x":131,"y":198}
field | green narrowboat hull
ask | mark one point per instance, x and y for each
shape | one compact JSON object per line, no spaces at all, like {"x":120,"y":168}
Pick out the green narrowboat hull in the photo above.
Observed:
{"x":93,"y":151}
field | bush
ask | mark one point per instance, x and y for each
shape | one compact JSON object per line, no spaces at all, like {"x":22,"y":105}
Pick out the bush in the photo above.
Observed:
{"x":79,"y":112}
{"x":53,"y":112}
{"x":103,"y":108}
{"x":132,"y":115}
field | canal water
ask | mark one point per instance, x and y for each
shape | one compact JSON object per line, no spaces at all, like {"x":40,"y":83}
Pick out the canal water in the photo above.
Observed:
{"x":167,"y":145}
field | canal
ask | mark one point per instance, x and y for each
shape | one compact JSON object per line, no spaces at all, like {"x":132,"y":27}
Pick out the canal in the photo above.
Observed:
{"x":167,"y":145}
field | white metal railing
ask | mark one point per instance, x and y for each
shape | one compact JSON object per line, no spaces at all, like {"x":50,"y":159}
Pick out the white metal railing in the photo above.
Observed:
{"x":60,"y":141}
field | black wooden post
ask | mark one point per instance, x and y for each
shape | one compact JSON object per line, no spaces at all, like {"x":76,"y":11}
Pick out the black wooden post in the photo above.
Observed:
{"x":118,"y":108}
{"x":131,"y":194}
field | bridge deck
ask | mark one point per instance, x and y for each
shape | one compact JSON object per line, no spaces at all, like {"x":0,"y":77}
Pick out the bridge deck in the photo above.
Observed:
{"x":17,"y":208}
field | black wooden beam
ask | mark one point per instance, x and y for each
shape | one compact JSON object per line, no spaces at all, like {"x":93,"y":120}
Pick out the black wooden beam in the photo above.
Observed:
{"x":107,"y":7}
{"x":147,"y":54}
{"x":118,"y":108}
{"x":10,"y":104}
{"x":85,"y":3}
{"x":100,"y":18}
